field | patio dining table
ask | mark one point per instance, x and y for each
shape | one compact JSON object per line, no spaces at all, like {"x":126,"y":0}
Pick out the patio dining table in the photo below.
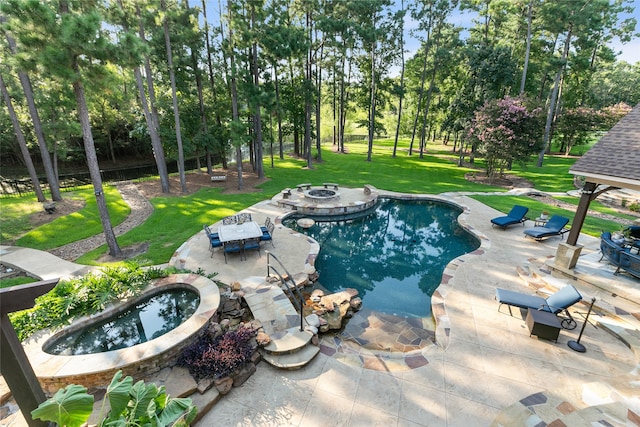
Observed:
{"x":246,"y":230}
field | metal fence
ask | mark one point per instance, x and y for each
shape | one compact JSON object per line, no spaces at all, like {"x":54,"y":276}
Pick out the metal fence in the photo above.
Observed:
{"x":68,"y":182}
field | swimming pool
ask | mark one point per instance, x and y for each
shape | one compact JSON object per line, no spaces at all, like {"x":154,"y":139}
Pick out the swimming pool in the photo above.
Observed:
{"x":394,"y":255}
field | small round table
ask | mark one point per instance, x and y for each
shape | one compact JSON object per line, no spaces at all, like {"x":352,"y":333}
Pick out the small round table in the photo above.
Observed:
{"x":540,"y":222}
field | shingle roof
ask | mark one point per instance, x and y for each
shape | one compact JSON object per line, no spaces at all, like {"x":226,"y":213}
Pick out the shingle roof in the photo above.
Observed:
{"x":615,"y":159}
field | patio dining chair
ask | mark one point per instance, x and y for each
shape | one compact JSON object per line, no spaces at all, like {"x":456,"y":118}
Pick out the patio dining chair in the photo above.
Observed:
{"x":251,"y":244}
{"x":228,"y":220}
{"x":267,"y":221}
{"x":214,"y":239}
{"x":243,"y":217}
{"x":267,"y":234}
{"x":231,"y":247}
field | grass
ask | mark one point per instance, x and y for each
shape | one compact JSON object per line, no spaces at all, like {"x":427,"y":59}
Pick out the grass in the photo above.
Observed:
{"x":177,"y":218}
{"x":78,"y":225}
{"x":14,"y":220}
{"x":15,"y":281}
{"x":592,"y":226}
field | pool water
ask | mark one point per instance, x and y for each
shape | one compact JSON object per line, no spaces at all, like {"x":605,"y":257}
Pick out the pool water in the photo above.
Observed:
{"x":394,"y":256}
{"x":148,"y":319}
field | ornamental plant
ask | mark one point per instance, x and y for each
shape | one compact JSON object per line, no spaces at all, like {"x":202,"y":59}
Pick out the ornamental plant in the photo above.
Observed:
{"x":130,"y":404}
{"x":505,"y":131}
{"x":81,"y":296}
{"x":217,"y":356}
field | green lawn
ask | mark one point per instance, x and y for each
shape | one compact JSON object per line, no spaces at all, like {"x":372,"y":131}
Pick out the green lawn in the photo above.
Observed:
{"x":78,"y":225}
{"x":177,"y":218}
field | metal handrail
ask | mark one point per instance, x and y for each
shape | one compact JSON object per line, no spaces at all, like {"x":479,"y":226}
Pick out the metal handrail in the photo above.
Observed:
{"x":292,"y":291}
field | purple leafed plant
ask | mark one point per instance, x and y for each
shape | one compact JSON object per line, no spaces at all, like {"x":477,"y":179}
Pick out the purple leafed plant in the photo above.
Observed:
{"x":217,"y":357}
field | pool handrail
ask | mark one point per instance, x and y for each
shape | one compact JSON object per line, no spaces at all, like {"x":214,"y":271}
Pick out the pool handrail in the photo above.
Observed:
{"x":290,"y":287}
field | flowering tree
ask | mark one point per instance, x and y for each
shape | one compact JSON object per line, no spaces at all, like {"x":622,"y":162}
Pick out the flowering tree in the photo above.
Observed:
{"x":576,"y":125}
{"x":505,"y":131}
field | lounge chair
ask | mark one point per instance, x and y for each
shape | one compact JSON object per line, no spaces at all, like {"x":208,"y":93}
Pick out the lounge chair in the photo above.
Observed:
{"x":561,"y":300}
{"x":515,"y":216}
{"x":554,"y":227}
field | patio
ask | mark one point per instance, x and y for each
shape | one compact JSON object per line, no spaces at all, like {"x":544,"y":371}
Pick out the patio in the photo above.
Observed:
{"x":484,"y":370}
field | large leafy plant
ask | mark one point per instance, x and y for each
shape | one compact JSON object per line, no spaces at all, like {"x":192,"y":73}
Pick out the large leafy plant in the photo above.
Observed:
{"x":130,"y":404}
{"x":81,"y":296}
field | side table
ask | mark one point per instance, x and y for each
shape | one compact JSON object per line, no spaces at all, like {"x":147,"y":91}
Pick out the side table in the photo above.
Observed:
{"x":543,"y":324}
{"x":540,"y":222}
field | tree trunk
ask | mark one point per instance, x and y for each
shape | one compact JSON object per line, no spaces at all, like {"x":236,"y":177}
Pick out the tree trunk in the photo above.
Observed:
{"x":22,"y":143}
{"x":423,"y":78}
{"x":372,"y":101}
{"x":528,"y":49}
{"x":401,"y":97}
{"x":307,"y":98}
{"x":174,"y":96}
{"x":554,"y":96}
{"x":92,"y":163}
{"x":153,"y":123}
{"x":278,"y":110}
{"x":37,"y":125}
{"x":234,"y":104}
{"x":257,"y":115}
{"x":319,"y":100}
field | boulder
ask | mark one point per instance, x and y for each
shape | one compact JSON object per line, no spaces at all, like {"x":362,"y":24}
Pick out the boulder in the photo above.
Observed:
{"x":240,"y":376}
{"x":313,"y":320}
{"x":224,"y":384}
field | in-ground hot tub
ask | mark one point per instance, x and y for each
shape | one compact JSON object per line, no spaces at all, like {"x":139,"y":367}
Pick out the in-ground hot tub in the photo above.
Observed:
{"x":322,"y":194}
{"x":97,"y":369}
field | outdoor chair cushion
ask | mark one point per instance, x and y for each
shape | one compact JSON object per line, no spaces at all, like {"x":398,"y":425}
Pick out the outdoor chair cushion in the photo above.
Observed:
{"x":554,"y":227}
{"x":515,"y":216}
{"x":559,"y":301}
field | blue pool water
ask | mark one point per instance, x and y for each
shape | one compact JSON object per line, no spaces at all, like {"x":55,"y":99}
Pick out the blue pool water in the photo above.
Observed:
{"x":394,"y":256}
{"x":148,"y":319}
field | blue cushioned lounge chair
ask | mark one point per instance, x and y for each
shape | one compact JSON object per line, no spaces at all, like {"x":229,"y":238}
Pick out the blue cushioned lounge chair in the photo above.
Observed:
{"x":515,"y":216}
{"x":554,"y":227}
{"x":561,"y":300}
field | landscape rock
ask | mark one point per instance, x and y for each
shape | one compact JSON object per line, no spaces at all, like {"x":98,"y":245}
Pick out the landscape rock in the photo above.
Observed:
{"x":263,"y":339}
{"x":204,"y":384}
{"x":334,"y":319}
{"x":313,"y":320}
{"x":239,"y":377}
{"x":224,"y":384}
{"x":180,"y":383}
{"x":328,"y":301}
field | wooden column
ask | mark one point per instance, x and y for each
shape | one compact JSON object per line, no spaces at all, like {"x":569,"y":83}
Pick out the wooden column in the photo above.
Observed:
{"x":14,"y":364}
{"x":581,"y":212}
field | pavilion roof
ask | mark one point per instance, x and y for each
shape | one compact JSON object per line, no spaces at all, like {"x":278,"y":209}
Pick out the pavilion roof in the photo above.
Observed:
{"x":615,"y":159}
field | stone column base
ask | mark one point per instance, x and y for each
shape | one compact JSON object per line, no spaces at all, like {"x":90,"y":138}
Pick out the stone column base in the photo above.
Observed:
{"x":567,"y":255}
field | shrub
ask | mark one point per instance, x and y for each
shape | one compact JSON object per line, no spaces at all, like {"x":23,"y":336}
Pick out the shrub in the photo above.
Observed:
{"x":219,"y":356}
{"x":634,"y":207}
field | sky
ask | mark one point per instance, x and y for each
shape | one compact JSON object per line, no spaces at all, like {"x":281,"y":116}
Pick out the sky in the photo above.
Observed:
{"x":629,"y":52}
